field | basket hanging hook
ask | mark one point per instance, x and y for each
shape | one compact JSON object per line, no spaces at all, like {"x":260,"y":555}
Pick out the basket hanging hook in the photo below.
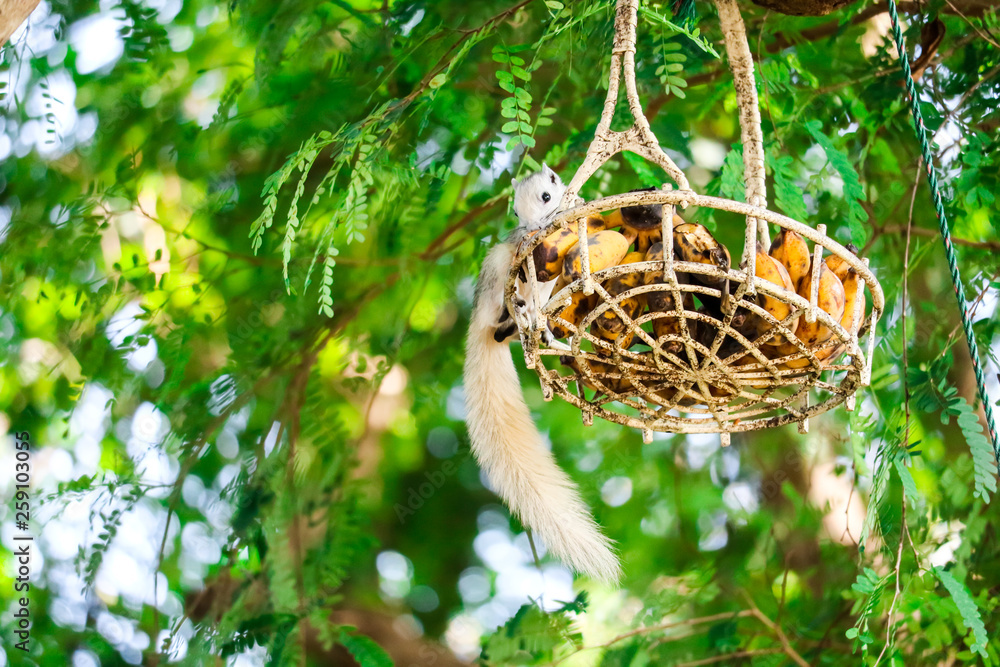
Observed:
{"x":639,"y":138}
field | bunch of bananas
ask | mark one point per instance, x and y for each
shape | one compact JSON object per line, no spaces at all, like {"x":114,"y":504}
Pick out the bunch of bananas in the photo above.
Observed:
{"x":633,"y":234}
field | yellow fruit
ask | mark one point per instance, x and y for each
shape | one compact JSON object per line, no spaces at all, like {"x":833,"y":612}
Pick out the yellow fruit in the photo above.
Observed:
{"x":607,"y":248}
{"x":791,"y":250}
{"x":839,"y":266}
{"x":832,"y":300}
{"x":694,"y":243}
{"x":551,"y":252}
{"x":854,"y":291}
{"x":773,"y":271}
{"x":644,"y":240}
{"x":612,"y":339}
{"x":580,"y":305}
{"x":609,"y":321}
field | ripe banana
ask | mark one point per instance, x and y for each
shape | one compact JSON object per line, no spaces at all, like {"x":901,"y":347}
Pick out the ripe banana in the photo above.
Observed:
{"x":832,"y":300}
{"x":642,"y":217}
{"x":574,"y":313}
{"x":694,"y":243}
{"x":609,"y":322}
{"x":839,"y":266}
{"x":854,"y":290}
{"x":601,"y":370}
{"x":773,"y":271}
{"x":662,"y":301}
{"x":550,"y":253}
{"x":607,"y":248}
{"x":791,"y":250}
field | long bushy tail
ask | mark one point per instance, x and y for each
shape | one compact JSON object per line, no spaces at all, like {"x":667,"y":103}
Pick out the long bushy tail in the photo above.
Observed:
{"x":510,"y":450}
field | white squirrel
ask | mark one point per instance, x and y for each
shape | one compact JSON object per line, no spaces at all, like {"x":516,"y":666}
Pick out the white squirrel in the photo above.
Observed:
{"x":504,"y":438}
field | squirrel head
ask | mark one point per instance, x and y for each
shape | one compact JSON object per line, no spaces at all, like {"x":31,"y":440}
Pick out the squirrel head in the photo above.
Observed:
{"x":537,"y":196}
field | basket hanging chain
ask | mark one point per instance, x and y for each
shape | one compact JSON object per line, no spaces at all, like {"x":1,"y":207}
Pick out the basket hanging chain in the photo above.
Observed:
{"x":942,"y":216}
{"x":639,"y":138}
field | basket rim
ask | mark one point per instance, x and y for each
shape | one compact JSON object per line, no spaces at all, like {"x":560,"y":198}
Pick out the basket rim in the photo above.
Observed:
{"x":684,"y":199}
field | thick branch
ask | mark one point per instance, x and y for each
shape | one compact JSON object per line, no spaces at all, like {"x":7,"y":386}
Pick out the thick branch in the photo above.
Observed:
{"x":824,"y":7}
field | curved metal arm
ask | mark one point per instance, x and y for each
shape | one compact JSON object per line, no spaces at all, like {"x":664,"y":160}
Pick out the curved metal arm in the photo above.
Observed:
{"x":639,"y":138}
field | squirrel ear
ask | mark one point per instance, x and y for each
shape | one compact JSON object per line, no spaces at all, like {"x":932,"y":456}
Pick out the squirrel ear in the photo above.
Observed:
{"x":553,"y":177}
{"x":513,"y":182}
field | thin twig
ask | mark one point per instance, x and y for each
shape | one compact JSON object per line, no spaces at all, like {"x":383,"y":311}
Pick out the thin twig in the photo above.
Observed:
{"x":933,"y":233}
{"x":726,"y":657}
{"x":972,"y":25}
{"x":906,"y":412}
{"x":659,"y":628}
{"x":776,"y":629}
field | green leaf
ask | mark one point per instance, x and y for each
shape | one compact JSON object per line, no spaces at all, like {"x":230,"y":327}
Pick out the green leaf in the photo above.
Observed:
{"x":984,"y":463}
{"x":365,"y":651}
{"x":967,"y":608}
{"x":732,"y":175}
{"x":787,"y":195}
{"x":909,"y":486}
{"x":853,"y":192}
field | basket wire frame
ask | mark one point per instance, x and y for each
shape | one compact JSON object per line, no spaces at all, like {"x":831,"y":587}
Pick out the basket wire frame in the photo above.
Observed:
{"x":719,"y":381}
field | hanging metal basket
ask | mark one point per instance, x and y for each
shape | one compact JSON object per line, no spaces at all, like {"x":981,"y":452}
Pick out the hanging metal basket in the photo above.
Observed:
{"x":720,"y":381}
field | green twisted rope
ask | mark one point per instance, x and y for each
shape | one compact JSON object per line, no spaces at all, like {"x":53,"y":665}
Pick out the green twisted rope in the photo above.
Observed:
{"x":949,"y":249}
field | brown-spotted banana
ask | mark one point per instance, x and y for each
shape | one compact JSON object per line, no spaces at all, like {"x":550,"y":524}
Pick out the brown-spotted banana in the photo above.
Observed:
{"x":609,"y":322}
{"x":790,"y":249}
{"x":607,"y":248}
{"x":580,"y":305}
{"x":770,"y":269}
{"x":662,"y":301}
{"x":694,"y":243}
{"x":550,"y":254}
{"x":832,"y":300}
{"x":854,"y":291}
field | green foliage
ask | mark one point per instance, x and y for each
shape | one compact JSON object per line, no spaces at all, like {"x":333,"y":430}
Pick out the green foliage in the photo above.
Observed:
{"x":967,"y":608}
{"x":787,"y":194}
{"x":854,"y":194}
{"x":930,"y":396}
{"x":671,"y":67}
{"x":870,"y":587}
{"x":365,"y":651}
{"x":732,"y":185}
{"x":514,"y":79}
{"x":532,"y":635}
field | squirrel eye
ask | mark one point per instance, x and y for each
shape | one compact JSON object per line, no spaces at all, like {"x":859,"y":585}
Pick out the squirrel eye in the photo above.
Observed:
{"x":546,"y":197}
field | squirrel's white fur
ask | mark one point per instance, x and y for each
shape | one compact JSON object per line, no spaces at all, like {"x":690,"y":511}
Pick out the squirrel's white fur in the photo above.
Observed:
{"x":504,"y":438}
